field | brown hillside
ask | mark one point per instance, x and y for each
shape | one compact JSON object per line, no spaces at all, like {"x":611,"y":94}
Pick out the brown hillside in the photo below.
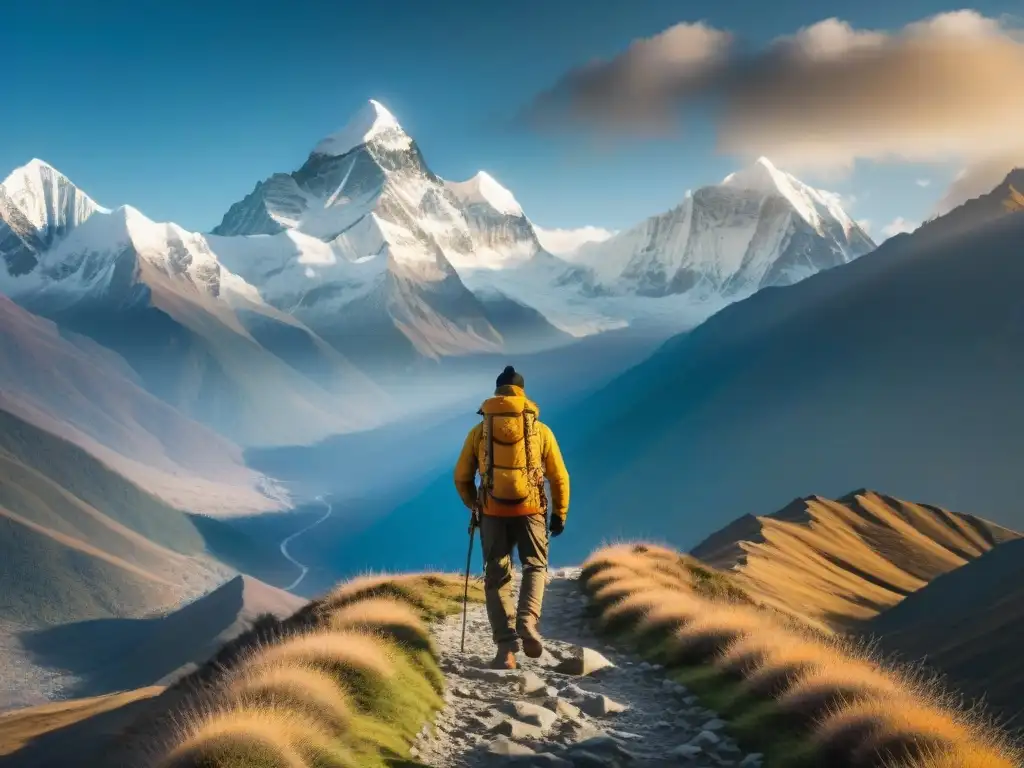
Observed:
{"x":72,"y":387}
{"x":839,"y":562}
{"x":119,"y":654}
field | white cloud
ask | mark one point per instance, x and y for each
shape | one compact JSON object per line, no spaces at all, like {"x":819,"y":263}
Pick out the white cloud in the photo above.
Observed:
{"x":563,"y":242}
{"x":864,"y":224}
{"x":923,"y":183}
{"x":897,"y":226}
{"x":310,"y":272}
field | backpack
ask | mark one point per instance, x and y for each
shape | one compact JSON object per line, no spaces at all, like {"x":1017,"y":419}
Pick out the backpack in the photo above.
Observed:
{"x":511,"y":471}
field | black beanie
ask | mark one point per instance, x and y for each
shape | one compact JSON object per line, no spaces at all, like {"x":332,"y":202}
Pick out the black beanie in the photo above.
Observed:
{"x":510,"y":377}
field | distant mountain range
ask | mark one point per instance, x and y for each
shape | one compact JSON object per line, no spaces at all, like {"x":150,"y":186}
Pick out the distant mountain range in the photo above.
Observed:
{"x":901,"y":370}
{"x":279,"y":326}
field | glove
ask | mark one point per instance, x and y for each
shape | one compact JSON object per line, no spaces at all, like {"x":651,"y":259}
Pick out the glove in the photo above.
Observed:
{"x":557,"y":525}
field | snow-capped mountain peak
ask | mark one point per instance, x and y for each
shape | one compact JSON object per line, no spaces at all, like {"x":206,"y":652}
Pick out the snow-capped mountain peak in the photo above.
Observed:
{"x":102,"y":256}
{"x":814,"y":205}
{"x":761,"y":226}
{"x":46,"y":197}
{"x":372,"y":123}
{"x":483,"y":189}
{"x":38,"y":206}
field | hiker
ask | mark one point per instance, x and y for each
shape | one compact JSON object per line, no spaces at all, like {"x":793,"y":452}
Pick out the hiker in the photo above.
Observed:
{"x":514,"y":454}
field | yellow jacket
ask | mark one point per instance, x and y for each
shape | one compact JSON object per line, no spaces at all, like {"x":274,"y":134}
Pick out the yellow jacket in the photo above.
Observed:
{"x":473,"y":457}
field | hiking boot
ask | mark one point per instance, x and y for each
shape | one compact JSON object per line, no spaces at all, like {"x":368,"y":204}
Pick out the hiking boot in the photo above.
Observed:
{"x":533,"y":647}
{"x":504,"y":660}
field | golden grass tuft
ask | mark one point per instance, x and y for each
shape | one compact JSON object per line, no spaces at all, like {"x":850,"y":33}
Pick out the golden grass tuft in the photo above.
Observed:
{"x":753,"y":653}
{"x":969,"y":756}
{"x":834,"y":684}
{"x":337,"y":653}
{"x":309,"y":691}
{"x":389,"y":616}
{"x":779,"y":677}
{"x":348,"y":681}
{"x":633,"y":557}
{"x":612,"y":593}
{"x":654,"y":609}
{"x":398,"y":586}
{"x":875,"y":733}
{"x":609,"y":575}
{"x":709,"y":634}
{"x":256,"y":737}
{"x":433,"y":595}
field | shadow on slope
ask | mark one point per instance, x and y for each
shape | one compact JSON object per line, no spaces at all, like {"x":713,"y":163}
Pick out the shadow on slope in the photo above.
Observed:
{"x":61,"y":733}
{"x":232,"y":543}
{"x":81,"y":541}
{"x":120,"y":654}
{"x":840,"y":562}
{"x":133,"y":728}
{"x":967,"y":624}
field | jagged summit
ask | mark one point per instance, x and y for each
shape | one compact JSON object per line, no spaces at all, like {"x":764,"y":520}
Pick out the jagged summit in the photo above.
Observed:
{"x":32,"y":167}
{"x":483,"y":189}
{"x":761,"y":226}
{"x":760,"y":175}
{"x":814,"y":205}
{"x":371,"y":123}
{"x":38,"y":206}
{"x":45,"y":196}
{"x":29,"y":170}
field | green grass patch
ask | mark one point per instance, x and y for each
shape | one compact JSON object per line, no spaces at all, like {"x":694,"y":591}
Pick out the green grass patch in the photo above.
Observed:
{"x":433,"y":595}
{"x":389,"y":710}
{"x":715,"y":585}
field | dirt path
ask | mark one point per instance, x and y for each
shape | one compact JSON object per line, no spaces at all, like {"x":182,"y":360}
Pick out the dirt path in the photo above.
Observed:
{"x":303,"y":569}
{"x":626,"y":714}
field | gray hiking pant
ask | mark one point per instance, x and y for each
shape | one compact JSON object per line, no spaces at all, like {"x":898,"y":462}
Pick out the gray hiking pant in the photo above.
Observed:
{"x":500,"y":536}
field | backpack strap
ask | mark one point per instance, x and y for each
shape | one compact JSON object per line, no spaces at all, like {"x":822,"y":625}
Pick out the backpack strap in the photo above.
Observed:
{"x":534,"y":472}
{"x":489,"y":418}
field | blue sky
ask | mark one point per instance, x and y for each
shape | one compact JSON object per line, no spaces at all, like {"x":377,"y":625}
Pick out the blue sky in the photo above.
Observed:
{"x":178,"y":108}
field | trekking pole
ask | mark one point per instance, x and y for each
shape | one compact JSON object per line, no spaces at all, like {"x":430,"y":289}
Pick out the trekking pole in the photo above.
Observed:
{"x":469,"y":562}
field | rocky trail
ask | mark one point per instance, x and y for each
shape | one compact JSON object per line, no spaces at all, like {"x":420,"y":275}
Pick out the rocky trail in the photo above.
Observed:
{"x":581,"y":705}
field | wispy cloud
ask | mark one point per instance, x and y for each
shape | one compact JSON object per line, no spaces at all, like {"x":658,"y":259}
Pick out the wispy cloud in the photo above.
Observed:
{"x":944,"y":88}
{"x":897,"y":226}
{"x":865,"y":224}
{"x":923,"y":183}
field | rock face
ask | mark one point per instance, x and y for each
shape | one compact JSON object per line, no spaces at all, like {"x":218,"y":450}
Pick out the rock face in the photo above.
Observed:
{"x":622,"y":716}
{"x":38,"y":206}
